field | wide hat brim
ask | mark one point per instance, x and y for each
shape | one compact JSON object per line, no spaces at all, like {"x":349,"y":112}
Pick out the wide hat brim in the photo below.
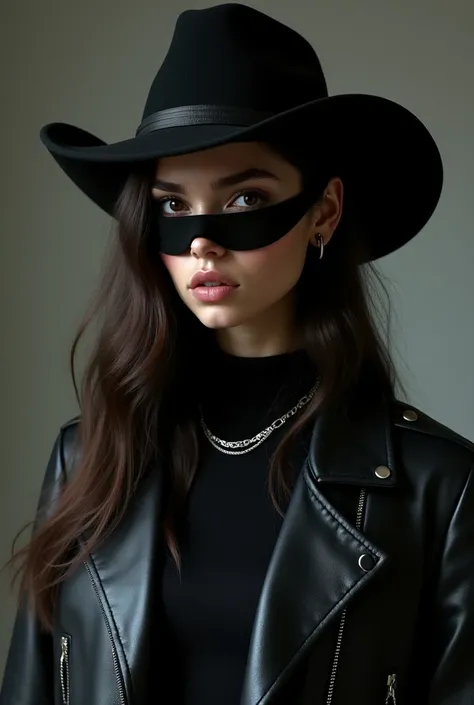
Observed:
{"x":386,"y":157}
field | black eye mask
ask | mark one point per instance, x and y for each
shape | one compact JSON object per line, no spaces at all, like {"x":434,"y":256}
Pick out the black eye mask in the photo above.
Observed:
{"x":245,"y":230}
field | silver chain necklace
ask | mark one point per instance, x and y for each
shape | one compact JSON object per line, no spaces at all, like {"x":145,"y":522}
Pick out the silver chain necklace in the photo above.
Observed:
{"x":251,"y":443}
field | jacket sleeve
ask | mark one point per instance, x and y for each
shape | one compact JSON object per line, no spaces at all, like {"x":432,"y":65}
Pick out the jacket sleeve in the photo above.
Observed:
{"x":452,"y":630}
{"x":28,"y":676}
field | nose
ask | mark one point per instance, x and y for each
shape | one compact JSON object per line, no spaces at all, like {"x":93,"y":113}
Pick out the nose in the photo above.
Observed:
{"x":201,"y":248}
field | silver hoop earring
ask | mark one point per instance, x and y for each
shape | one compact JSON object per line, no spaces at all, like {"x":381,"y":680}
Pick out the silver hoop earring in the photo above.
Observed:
{"x":320,"y":245}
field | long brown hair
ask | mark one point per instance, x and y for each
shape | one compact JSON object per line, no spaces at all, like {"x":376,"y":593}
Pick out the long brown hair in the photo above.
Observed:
{"x":137,"y":396}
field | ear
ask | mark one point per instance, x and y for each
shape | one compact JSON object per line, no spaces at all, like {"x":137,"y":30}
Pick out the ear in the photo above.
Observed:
{"x":328,"y":211}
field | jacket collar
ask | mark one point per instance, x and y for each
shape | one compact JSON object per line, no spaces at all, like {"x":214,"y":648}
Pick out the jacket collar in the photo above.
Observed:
{"x":348,"y":446}
{"x":313,"y":573}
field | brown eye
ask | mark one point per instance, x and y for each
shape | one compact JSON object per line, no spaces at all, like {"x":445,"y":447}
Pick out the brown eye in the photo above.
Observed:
{"x":250,"y":199}
{"x":171,"y":206}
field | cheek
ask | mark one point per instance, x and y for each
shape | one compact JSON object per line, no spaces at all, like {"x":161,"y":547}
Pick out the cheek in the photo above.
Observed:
{"x":174,"y":265}
{"x":280,"y":262}
{"x":167,"y":260}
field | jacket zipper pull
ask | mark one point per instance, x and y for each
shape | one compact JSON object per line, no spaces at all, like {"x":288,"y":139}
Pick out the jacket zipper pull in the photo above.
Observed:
{"x":391,"y":698}
{"x":64,"y":669}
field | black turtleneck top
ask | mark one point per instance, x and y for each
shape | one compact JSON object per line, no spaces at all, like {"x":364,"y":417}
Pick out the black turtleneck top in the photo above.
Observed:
{"x":231,"y":526}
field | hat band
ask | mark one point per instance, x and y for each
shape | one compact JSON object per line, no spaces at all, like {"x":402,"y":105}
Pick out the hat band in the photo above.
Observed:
{"x":186,"y":115}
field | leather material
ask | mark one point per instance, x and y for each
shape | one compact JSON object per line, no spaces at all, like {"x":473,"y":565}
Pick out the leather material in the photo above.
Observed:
{"x":407,"y":606}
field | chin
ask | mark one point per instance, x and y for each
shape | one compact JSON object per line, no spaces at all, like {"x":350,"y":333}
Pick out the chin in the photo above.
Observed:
{"x":216,"y":318}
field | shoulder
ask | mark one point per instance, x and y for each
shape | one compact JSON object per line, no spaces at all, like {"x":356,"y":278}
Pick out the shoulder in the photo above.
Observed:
{"x":411,"y":419}
{"x":427,"y":445}
{"x":68,"y":431}
{"x":65,"y":447}
{"x":57,"y":469}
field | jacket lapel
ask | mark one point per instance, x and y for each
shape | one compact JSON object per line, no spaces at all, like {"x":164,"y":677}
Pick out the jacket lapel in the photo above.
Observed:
{"x":314,"y":571}
{"x":124,"y":569}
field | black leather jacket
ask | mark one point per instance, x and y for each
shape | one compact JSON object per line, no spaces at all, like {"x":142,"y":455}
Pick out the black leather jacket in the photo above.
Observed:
{"x":369,"y":593}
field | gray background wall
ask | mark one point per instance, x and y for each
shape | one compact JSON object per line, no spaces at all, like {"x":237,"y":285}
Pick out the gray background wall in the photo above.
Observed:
{"x":91,"y":63}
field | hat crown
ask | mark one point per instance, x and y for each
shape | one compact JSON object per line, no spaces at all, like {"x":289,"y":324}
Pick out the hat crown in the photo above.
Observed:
{"x":234,"y":55}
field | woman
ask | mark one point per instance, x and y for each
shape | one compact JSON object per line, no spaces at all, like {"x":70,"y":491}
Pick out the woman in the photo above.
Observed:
{"x":243,"y":513}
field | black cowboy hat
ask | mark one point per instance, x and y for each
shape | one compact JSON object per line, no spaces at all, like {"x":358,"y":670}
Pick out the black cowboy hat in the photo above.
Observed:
{"x":234,"y":74}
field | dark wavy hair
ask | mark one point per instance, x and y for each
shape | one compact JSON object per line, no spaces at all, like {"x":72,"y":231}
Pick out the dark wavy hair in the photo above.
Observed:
{"x":137,"y":398}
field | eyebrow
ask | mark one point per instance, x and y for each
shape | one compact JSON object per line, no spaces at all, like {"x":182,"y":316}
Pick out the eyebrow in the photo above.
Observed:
{"x":230,"y":180}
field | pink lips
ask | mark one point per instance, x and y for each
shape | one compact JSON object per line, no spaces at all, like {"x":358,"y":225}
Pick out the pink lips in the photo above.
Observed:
{"x":211,"y":276}
{"x":211,"y":294}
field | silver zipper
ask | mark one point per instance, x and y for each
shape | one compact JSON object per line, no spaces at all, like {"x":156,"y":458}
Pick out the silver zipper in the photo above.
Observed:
{"x":337,"y":653}
{"x":391,"y":698}
{"x":64,"y":669}
{"x":118,"y":674}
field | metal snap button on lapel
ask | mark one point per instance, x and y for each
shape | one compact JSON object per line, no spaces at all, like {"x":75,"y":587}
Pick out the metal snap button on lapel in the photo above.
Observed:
{"x":383,"y":472}
{"x":410,"y":415}
{"x":367,"y":562}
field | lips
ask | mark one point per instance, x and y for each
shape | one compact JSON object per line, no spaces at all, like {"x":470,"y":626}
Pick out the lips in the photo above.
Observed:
{"x":200,"y":278}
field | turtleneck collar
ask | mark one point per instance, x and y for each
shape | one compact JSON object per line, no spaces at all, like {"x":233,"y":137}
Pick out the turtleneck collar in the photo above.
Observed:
{"x":242,"y":393}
